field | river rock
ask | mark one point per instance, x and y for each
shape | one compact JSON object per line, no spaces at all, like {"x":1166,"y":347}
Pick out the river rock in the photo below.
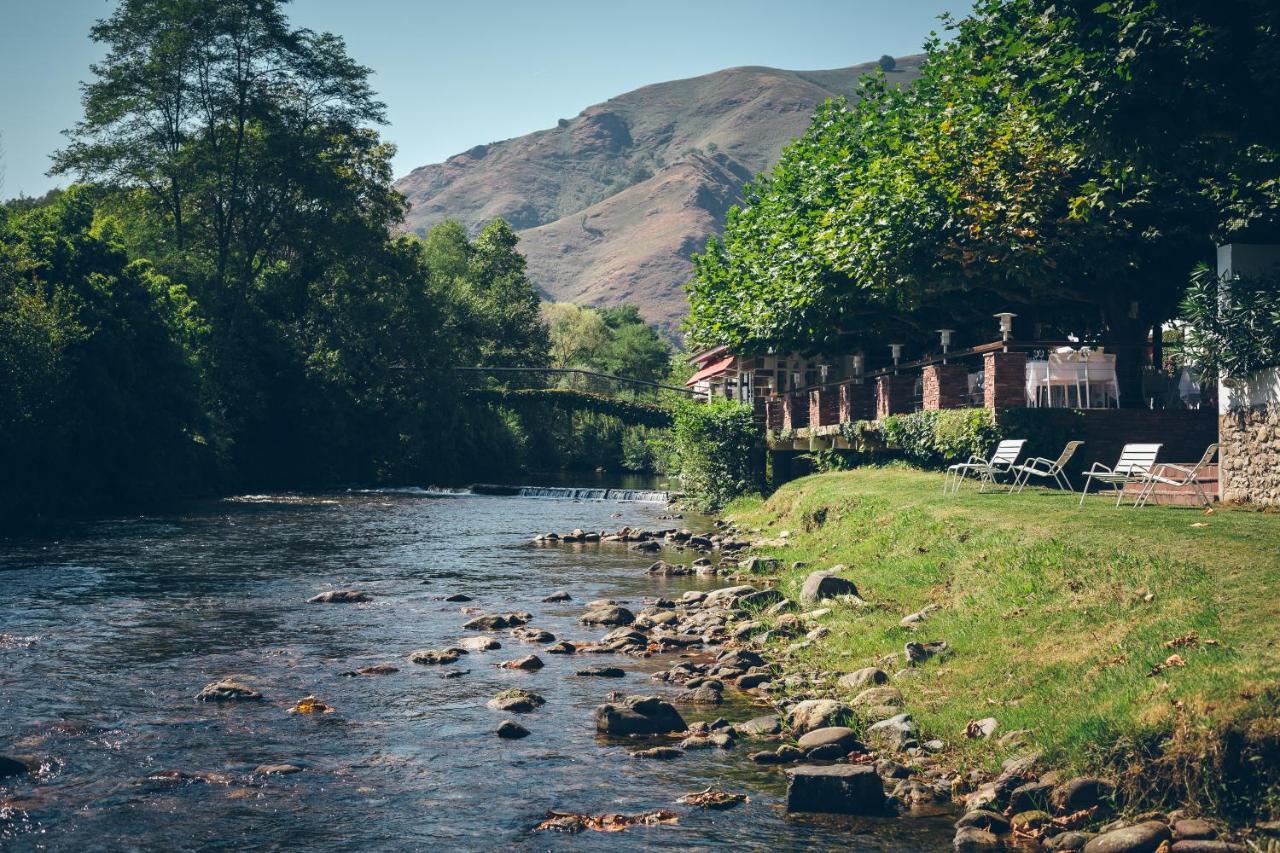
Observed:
{"x":835,"y":789}
{"x":458,"y":597}
{"x":533,"y":635}
{"x":1067,"y":841}
{"x":516,"y":701}
{"x":564,"y":647}
{"x":1081,"y":793}
{"x":726,"y":596}
{"x":1033,"y":795}
{"x":863,"y":678}
{"x":479,"y":644}
{"x":983,"y":728}
{"x":602,"y":672}
{"x":661,"y":753}
{"x":897,"y":732}
{"x":702,"y":695}
{"x":761,"y":599}
{"x":378,"y":669}
{"x":434,"y":656}
{"x":973,"y":838}
{"x":639,"y":715}
{"x":760,"y":727}
{"x":1206,"y":845}
{"x":1141,"y":838}
{"x":511,"y":730}
{"x":1193,"y":828}
{"x":846,"y":739}
{"x":610,"y":615}
{"x":528,"y":663}
{"x":12,"y":767}
{"x":555,"y":597}
{"x":918,"y":653}
{"x":1026,"y":821}
{"x":874,"y":697}
{"x":340,"y":596}
{"x":228,"y":690}
{"x":985,"y":819}
{"x":817,"y":714}
{"x":488,"y":622}
{"x":277,"y":769}
{"x":820,"y":586}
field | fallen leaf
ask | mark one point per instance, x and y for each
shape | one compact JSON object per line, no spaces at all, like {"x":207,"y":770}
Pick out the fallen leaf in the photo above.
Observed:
{"x":1188,"y":639}
{"x":1199,"y":524}
{"x":1169,"y":662}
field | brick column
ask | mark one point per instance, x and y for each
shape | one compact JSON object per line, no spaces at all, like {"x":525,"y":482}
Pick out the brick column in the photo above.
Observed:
{"x":1005,"y":380}
{"x":824,"y":406}
{"x":946,"y":386}
{"x":795,"y":411}
{"x":893,"y":394}
{"x":857,"y":402}
{"x":773,"y":414}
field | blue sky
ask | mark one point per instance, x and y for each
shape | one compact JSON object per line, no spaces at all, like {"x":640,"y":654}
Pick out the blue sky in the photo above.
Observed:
{"x":461,"y":73}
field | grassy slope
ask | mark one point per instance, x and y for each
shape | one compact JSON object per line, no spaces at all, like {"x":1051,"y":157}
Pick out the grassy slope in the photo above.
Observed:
{"x":1045,"y":608}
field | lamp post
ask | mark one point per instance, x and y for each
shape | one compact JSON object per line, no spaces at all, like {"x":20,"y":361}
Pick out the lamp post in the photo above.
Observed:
{"x":896,"y":349}
{"x":857,"y":367}
{"x":945,"y":335}
{"x":1006,"y":325}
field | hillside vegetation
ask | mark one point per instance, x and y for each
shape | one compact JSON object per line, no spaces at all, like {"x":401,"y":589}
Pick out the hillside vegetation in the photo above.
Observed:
{"x":1139,"y":643}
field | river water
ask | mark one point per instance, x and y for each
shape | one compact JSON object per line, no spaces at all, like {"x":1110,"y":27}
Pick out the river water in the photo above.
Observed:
{"x":109,"y":628}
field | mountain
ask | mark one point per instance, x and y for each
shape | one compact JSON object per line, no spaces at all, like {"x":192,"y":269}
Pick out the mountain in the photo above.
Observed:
{"x":611,"y":203}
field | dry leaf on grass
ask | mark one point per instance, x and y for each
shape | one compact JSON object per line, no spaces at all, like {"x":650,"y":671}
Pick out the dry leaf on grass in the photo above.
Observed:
{"x":571,"y":822}
{"x":1199,"y":524}
{"x":1169,"y":662}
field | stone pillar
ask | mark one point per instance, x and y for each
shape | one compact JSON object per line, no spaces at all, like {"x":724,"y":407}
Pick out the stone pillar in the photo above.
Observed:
{"x":894,"y":394}
{"x":1005,"y":380}
{"x":946,"y":386}
{"x":857,"y":402}
{"x":824,"y":406}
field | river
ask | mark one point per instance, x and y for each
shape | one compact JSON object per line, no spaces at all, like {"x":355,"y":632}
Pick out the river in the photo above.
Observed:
{"x":108,"y":629}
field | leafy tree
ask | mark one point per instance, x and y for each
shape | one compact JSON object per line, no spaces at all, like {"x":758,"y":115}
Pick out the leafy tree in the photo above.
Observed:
{"x":1237,"y":332}
{"x":887,"y":63}
{"x":577,"y":333}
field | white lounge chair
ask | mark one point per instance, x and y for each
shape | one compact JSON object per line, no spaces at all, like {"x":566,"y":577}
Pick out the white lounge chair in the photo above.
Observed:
{"x":1042,"y":467}
{"x":1136,"y":462}
{"x":1182,"y":476}
{"x":986,"y":470}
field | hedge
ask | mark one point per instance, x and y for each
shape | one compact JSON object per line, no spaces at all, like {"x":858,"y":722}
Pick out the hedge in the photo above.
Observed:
{"x":716,"y":451}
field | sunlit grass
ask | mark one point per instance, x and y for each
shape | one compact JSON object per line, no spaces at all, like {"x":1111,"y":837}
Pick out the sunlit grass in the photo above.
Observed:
{"x":1056,"y":615}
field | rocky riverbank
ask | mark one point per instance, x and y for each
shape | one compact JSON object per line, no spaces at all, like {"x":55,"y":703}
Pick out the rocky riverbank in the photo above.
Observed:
{"x":847,"y":742}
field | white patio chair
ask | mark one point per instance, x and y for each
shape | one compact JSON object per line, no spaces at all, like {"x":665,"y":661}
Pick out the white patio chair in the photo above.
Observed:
{"x":1182,"y":476}
{"x":986,"y":470}
{"x":1136,"y":461}
{"x":1063,"y":371}
{"x":1042,"y":467}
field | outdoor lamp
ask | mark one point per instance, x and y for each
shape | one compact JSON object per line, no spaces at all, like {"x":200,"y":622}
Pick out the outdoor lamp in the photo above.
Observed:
{"x":896,"y":349}
{"x":857,"y":365}
{"x":1006,"y":324}
{"x":945,"y":335}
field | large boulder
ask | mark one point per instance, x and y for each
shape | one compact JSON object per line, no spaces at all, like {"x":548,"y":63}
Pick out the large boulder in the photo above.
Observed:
{"x":433,"y":656}
{"x":516,"y":700}
{"x":639,"y":715}
{"x":877,"y":697}
{"x":228,"y":690}
{"x":726,"y":596}
{"x":835,"y":789}
{"x":817,"y":714}
{"x":1141,"y":838}
{"x":897,"y":732}
{"x":972,"y":838}
{"x":820,"y":586}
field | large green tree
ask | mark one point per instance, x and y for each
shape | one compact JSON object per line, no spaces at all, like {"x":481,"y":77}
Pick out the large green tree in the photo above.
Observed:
{"x":1012,"y":176}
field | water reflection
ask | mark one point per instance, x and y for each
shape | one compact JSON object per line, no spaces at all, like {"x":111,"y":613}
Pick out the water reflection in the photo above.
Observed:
{"x":110,"y":628}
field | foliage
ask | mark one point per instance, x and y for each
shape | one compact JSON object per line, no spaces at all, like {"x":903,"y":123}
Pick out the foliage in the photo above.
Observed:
{"x":1029,"y":169}
{"x":1237,"y":332}
{"x":715,"y":448}
{"x":887,"y":63}
{"x":613,"y":340}
{"x":938,"y":437}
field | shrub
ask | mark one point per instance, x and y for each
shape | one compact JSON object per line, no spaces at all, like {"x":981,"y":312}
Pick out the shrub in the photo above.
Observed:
{"x":715,"y":448}
{"x":1235,"y":333}
{"x":887,"y":63}
{"x":935,"y":438}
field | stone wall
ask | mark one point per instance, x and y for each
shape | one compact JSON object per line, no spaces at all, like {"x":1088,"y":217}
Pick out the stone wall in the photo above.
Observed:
{"x":1250,"y":469}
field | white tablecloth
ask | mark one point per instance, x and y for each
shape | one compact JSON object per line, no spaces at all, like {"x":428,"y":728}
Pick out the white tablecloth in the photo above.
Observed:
{"x":1079,"y":373}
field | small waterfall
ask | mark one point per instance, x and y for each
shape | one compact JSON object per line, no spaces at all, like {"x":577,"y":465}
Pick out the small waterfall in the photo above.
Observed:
{"x":640,"y":495}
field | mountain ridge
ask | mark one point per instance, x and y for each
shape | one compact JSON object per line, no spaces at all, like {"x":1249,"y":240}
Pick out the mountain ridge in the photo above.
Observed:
{"x":611,"y":203}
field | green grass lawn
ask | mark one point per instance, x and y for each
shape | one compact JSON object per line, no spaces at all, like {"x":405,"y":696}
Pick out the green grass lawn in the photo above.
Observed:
{"x":1057,"y":617}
